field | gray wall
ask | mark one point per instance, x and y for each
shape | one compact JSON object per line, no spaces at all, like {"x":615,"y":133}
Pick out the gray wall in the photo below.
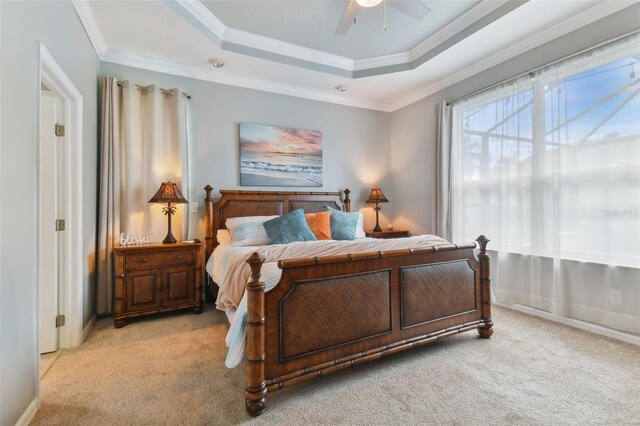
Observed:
{"x":23,"y":25}
{"x":355,"y":141}
{"x":413,"y":128}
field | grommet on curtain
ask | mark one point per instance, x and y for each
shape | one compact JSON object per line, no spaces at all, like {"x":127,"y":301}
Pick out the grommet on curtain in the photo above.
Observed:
{"x":144,"y":89}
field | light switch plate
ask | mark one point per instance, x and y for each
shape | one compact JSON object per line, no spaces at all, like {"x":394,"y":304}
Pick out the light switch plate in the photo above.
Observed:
{"x":193,"y":207}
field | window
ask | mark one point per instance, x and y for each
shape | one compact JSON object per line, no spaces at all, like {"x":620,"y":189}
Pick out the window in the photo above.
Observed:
{"x":549,"y":164}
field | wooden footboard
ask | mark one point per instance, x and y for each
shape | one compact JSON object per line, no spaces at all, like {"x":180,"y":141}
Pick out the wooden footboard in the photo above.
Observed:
{"x":330,"y":313}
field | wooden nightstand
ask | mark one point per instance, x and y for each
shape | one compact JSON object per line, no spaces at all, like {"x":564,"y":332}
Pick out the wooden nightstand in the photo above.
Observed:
{"x":157,"y":278}
{"x":385,"y":234}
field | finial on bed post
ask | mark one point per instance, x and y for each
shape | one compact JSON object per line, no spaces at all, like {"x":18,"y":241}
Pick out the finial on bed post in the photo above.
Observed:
{"x":256,"y":390}
{"x":347,"y":200}
{"x":485,"y":330}
{"x":482,"y":242}
{"x":208,"y":190}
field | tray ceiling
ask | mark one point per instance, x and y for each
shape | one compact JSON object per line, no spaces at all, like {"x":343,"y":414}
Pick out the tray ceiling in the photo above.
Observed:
{"x":275,"y":49}
{"x":312,"y":24}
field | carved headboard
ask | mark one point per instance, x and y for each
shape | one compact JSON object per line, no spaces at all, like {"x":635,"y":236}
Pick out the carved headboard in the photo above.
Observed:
{"x":263,"y":203}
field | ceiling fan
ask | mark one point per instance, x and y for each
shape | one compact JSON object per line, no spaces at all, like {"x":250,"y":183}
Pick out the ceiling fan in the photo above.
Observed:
{"x":416,"y":9}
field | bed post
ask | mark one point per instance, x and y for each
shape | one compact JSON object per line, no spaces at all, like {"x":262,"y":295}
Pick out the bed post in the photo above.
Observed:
{"x":347,"y":200}
{"x":209,"y":240}
{"x":256,"y":390}
{"x":208,"y":220}
{"x":487,"y":329}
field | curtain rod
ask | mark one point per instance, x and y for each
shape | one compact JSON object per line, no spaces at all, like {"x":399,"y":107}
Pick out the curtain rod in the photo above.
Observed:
{"x":146,"y":88}
{"x":580,"y":52}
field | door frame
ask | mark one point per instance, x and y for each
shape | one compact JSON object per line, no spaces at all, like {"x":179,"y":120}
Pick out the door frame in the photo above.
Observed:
{"x":71,"y":283}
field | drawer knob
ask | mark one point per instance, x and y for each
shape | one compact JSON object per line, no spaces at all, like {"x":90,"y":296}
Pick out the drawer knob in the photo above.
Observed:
{"x":144,"y":260}
{"x":179,"y":257}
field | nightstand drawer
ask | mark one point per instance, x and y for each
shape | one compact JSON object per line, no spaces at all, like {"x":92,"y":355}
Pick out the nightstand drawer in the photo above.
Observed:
{"x":174,"y":257}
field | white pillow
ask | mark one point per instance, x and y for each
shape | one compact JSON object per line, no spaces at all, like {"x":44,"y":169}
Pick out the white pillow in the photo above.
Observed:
{"x":250,"y":234}
{"x":360,"y":227}
{"x":248,"y":230}
{"x":224,"y":237}
{"x":232,"y":222}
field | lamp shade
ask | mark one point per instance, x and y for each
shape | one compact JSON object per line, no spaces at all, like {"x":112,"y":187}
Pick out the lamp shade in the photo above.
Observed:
{"x":377,"y":196}
{"x":168,"y":193}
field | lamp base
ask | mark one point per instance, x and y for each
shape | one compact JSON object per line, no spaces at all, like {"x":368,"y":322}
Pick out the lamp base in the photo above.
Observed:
{"x":169,"y":239}
{"x":377,"y":227}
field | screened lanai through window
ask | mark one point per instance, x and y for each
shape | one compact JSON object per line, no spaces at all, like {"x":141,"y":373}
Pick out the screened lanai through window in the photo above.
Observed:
{"x":551,"y":165}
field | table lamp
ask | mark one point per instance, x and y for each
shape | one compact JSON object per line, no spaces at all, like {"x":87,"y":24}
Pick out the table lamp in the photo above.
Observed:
{"x":377,"y":197}
{"x":168,"y":193}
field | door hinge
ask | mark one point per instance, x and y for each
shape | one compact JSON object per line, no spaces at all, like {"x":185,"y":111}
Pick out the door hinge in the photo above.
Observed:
{"x":59,"y":130}
{"x":60,"y":224}
{"x":60,"y":321}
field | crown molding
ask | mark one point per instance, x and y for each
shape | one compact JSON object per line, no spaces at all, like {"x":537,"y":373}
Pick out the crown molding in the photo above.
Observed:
{"x":288,"y":53}
{"x":465,"y":20}
{"x":238,"y":40}
{"x":215,"y":26}
{"x":278,"y":47}
{"x":382,"y":61}
{"x":579,"y":20}
{"x":268,"y":48}
{"x":214,"y":76}
{"x":200,"y":12}
{"x":90,"y":24}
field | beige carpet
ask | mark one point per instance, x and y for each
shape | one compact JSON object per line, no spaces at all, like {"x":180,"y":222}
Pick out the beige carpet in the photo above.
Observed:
{"x":169,"y":370}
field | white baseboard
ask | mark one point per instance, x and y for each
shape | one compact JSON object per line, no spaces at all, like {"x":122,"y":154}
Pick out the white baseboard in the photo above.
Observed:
{"x":604,"y":331}
{"x":30,"y":413}
{"x":87,"y":328}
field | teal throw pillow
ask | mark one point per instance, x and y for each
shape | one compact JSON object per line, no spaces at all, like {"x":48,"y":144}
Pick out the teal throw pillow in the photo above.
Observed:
{"x":343,"y":224}
{"x":289,"y":228}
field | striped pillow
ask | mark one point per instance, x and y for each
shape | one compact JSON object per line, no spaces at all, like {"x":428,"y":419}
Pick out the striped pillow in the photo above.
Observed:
{"x":250,"y":234}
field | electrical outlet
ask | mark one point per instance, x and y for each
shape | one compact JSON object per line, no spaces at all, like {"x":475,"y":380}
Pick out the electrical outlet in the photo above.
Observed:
{"x":193,"y":207}
{"x":615,"y":297}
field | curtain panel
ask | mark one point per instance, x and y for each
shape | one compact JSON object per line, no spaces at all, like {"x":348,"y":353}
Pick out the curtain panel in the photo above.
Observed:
{"x":548,"y":167}
{"x":443,"y":171}
{"x":143,"y":143}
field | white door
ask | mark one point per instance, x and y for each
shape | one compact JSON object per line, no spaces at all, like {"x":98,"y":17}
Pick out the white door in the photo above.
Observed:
{"x":51,"y":113}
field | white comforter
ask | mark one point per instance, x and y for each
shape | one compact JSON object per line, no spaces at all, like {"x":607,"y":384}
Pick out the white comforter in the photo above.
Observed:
{"x":228,"y":268}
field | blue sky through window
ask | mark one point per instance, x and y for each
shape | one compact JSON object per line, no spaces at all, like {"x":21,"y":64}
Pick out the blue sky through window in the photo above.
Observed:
{"x":598,"y":105}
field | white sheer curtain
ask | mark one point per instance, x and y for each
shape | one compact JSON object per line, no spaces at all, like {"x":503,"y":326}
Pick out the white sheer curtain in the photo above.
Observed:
{"x":548,"y":167}
{"x":143,"y":143}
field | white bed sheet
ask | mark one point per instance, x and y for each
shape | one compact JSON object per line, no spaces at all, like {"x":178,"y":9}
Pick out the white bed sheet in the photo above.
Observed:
{"x":236,"y":336}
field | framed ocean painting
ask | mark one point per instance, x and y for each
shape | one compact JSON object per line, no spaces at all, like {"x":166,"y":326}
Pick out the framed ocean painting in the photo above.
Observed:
{"x":279,"y":156}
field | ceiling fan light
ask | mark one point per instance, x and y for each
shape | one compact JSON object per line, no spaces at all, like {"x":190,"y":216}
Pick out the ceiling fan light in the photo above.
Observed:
{"x":368,"y":3}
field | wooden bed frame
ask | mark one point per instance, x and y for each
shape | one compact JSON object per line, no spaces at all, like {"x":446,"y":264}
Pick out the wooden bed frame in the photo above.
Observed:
{"x":330,"y":313}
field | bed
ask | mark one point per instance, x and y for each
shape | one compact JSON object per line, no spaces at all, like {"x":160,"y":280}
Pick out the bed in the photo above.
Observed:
{"x":413,"y":297}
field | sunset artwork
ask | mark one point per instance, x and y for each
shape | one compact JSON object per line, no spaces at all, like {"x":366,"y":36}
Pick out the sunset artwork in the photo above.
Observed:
{"x":277,"y":156}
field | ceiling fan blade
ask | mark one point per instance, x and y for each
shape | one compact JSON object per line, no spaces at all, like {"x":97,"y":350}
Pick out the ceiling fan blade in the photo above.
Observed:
{"x":413,"y":8}
{"x":348,"y":16}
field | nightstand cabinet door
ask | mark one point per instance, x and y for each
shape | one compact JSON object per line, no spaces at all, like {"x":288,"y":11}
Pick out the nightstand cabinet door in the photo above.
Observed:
{"x":141,"y":289}
{"x":177,"y":285}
